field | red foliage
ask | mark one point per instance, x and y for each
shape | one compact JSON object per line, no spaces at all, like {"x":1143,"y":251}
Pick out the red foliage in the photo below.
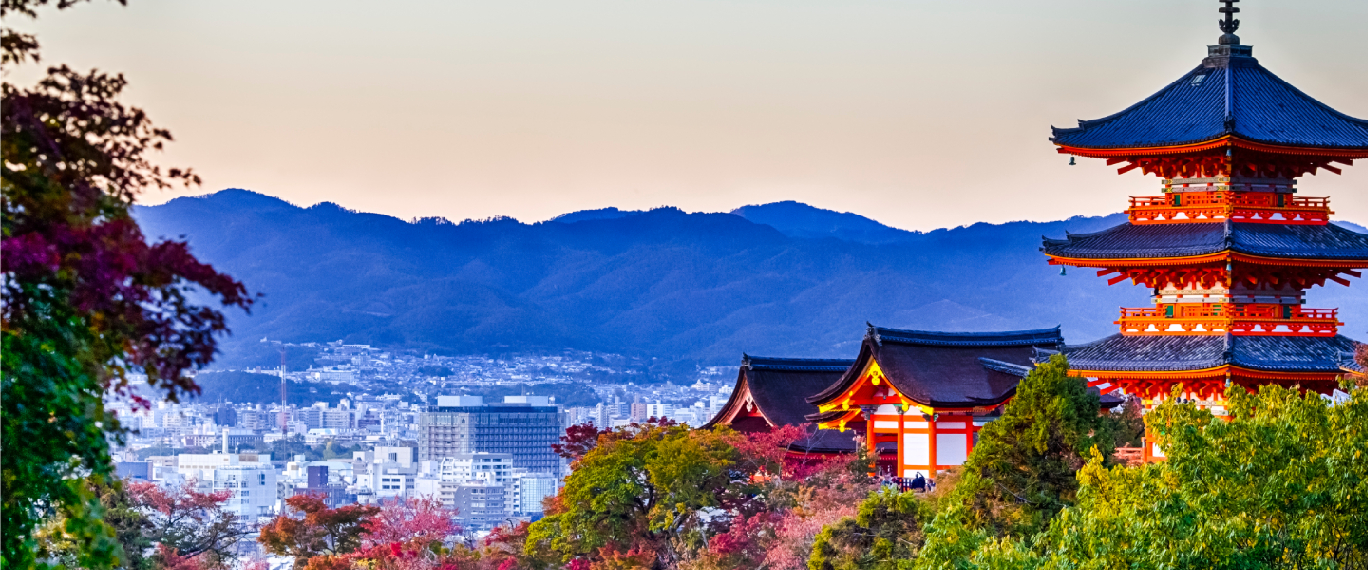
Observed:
{"x":68,"y":226}
{"x":578,"y":440}
{"x":320,"y":531}
{"x":170,"y":559}
{"x":637,"y":558}
{"x":182,"y":499}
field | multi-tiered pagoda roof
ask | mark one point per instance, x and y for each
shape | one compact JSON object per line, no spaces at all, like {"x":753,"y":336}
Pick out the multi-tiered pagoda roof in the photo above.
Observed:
{"x":1229,"y":249}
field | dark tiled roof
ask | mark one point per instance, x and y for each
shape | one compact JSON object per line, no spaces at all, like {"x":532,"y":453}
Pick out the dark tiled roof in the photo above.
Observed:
{"x":1262,"y":107}
{"x":1142,"y":353}
{"x":948,"y":369}
{"x":1006,"y":367}
{"x":780,"y":386}
{"x":1035,"y":337}
{"x":1127,"y":240}
{"x":825,"y":441}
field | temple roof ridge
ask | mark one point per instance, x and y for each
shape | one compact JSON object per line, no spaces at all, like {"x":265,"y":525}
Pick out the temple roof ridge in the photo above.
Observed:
{"x":1005,"y":367}
{"x":1027,"y":337}
{"x":795,"y":364}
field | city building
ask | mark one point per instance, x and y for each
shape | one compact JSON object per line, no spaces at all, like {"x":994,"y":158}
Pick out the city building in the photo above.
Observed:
{"x":529,"y":490}
{"x":461,"y":425}
{"x":1229,"y":249}
{"x":250,"y":477}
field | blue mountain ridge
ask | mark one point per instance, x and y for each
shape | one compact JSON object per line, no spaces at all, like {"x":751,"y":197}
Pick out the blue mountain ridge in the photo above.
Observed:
{"x":782,"y":279}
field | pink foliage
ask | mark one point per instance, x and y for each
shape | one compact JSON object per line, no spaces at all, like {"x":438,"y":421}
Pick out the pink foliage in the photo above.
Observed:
{"x":176,"y":500}
{"x":406,"y":520}
{"x":795,"y":533}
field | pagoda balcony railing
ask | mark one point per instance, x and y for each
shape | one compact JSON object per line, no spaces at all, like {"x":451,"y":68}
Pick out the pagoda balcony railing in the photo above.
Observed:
{"x":1269,"y":320}
{"x":1257,"y":207}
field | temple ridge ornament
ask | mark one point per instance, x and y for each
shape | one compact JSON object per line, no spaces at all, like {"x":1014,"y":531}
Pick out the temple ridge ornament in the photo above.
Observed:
{"x":1230,"y":23}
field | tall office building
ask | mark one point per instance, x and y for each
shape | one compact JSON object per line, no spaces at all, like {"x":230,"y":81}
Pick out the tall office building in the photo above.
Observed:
{"x":522,"y":426}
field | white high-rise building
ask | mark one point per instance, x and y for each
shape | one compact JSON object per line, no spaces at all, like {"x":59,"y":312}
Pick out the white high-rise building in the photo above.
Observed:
{"x":250,"y":477}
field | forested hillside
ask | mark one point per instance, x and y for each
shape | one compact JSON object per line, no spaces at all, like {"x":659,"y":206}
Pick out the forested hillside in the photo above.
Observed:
{"x":780,"y":279}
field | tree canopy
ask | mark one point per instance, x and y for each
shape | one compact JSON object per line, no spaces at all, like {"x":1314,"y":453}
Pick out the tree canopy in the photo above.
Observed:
{"x":87,"y":299}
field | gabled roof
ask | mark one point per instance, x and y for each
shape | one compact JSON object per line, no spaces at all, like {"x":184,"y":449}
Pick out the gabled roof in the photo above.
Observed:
{"x":1226,"y":96}
{"x":945,"y":369}
{"x":1161,"y":353}
{"x":1129,"y":241}
{"x":779,"y":386}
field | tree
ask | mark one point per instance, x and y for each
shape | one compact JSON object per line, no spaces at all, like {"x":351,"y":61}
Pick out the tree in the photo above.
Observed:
{"x":1019,"y":476}
{"x":1280,"y":484}
{"x":182,"y":528}
{"x":886,"y":534}
{"x":645,"y":492}
{"x":186,"y":523}
{"x":312,"y":530}
{"x":86,"y":297}
{"x":1023,"y":468}
{"x":413,"y":519}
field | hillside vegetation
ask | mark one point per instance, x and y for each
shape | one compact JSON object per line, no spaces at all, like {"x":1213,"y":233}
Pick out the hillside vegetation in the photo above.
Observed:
{"x":780,"y":279}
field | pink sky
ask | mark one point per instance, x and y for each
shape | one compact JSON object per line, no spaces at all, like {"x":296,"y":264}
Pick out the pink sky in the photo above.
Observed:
{"x":919,"y":114}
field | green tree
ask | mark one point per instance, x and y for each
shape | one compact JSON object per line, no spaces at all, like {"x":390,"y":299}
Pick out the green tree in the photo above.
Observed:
{"x":1281,"y":485}
{"x":1023,"y":468}
{"x":885,"y":535}
{"x":645,"y":491}
{"x":86,"y":297}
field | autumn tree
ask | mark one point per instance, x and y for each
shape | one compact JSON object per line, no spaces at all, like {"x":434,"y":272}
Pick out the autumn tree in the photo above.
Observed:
{"x":187,"y":523}
{"x":313,"y":530}
{"x":156,"y":527}
{"x":87,"y":298}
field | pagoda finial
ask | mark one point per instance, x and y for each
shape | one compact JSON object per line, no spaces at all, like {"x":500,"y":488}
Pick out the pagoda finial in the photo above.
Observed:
{"x":1229,"y":24}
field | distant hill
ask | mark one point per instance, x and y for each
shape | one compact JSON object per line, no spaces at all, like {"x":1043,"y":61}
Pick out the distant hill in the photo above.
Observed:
{"x":253,"y":388}
{"x":796,"y":219}
{"x":779,"y":279}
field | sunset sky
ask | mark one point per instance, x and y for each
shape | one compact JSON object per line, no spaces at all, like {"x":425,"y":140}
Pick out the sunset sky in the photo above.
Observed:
{"x":920,"y":114}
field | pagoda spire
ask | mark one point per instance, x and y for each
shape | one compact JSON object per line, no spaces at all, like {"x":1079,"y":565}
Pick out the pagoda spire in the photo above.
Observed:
{"x":1229,"y":24}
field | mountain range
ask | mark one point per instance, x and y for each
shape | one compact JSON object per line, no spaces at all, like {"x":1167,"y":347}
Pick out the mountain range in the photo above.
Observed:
{"x":780,"y":279}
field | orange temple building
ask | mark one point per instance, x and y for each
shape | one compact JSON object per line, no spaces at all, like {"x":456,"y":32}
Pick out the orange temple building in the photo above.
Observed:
{"x":1229,"y":248}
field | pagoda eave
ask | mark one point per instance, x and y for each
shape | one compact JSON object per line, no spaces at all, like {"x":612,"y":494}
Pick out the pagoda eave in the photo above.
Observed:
{"x":1217,"y":372}
{"x":1346,"y":153}
{"x":1105,"y":262}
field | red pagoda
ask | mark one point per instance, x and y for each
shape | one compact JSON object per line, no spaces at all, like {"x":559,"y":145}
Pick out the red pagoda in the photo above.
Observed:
{"x":1229,"y":248}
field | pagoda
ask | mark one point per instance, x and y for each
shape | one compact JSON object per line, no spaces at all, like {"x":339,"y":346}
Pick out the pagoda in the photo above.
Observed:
{"x":1229,"y":249}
